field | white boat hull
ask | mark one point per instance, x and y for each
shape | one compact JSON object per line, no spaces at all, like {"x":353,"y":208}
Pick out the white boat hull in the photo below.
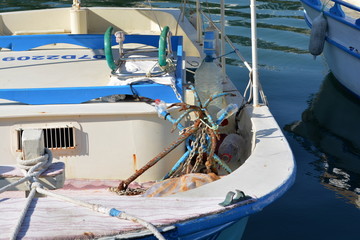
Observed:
{"x":114,"y":139}
{"x":342,"y":45}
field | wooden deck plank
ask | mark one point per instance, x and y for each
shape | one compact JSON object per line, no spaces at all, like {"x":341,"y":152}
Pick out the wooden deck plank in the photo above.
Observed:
{"x":49,"y":218}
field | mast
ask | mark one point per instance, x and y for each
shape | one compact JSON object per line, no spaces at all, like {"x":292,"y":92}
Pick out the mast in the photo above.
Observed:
{"x":255,"y":75}
{"x":223,"y":34}
{"x":198,"y":21}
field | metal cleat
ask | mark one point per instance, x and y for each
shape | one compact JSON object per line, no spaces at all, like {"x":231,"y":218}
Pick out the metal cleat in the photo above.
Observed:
{"x":232,"y":198}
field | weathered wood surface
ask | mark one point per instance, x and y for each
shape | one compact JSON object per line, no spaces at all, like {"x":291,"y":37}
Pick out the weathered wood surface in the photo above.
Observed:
{"x":49,"y":218}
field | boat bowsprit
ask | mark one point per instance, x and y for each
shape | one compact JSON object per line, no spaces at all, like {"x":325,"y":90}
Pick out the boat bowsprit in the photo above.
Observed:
{"x":105,"y":135}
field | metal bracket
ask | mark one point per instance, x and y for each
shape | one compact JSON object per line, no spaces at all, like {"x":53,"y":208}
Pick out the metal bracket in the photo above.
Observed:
{"x":232,"y":198}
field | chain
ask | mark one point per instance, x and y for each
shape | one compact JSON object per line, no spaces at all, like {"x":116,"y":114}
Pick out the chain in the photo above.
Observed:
{"x":201,"y":149}
{"x":194,"y":146}
{"x":177,"y":94}
{"x":170,"y":67}
{"x":198,"y":146}
{"x":127,"y":192}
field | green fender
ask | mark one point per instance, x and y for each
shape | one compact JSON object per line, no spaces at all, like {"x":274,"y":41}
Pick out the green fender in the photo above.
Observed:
{"x":162,"y":46}
{"x":107,"y":49}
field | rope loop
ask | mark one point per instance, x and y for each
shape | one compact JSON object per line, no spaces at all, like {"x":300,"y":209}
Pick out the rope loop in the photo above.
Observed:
{"x":38,"y":164}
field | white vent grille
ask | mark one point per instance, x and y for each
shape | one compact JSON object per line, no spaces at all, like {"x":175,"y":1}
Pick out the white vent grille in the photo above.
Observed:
{"x":54,"y":138}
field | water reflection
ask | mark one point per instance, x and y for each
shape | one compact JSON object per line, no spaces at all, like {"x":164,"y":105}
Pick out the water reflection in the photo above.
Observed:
{"x":331,"y":124}
{"x":17,"y":5}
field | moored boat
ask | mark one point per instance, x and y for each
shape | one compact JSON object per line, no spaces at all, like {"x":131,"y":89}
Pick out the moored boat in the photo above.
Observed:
{"x":89,"y":97}
{"x":337,"y":34}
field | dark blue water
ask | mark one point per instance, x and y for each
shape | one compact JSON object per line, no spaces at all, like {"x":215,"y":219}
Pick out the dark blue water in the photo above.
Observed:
{"x":324,"y":201}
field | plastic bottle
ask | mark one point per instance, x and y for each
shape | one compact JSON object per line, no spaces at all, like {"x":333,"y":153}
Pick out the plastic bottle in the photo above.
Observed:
{"x":225,"y":118}
{"x":227,"y":112}
{"x":209,"y":76}
{"x":231,"y":148}
{"x":161,"y":107}
{"x":208,"y":82}
{"x":211,"y":41}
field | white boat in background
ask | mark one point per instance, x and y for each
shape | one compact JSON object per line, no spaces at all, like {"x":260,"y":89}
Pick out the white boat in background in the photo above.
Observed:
{"x":342,"y":40}
{"x":84,"y":113}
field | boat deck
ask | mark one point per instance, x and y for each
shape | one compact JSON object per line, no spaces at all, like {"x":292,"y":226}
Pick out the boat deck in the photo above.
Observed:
{"x":61,"y":69}
{"x":54,"y":219}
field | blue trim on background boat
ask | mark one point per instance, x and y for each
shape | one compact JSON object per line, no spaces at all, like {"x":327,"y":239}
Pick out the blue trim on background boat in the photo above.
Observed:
{"x":314,"y":2}
{"x":75,"y":95}
{"x":189,"y":229}
{"x":341,"y":47}
{"x":340,"y":19}
{"x":333,"y":42}
{"x":348,"y":5}
{"x":336,"y":10}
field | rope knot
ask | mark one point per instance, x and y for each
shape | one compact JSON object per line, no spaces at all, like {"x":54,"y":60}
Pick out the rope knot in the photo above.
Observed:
{"x":36,"y":165}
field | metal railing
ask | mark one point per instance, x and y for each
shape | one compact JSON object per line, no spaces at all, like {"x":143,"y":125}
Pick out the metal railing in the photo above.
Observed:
{"x":254,"y":82}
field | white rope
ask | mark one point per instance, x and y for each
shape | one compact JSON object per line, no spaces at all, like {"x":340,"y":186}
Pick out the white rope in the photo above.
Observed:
{"x":70,"y":200}
{"x":23,"y":214}
{"x":33,"y":168}
{"x":148,"y":225}
{"x":41,"y":164}
{"x":24,"y":179}
{"x":37,"y":166}
{"x":104,"y":210}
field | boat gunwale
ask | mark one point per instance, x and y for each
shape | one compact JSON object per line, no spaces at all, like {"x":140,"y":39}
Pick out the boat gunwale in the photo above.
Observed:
{"x":331,"y":41}
{"x":329,"y":14}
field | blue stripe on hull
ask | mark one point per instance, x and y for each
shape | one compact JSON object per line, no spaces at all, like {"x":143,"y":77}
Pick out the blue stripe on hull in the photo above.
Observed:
{"x":189,"y":229}
{"x":333,"y":42}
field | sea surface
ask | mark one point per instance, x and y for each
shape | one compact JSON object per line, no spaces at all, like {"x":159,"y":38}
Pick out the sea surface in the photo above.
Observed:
{"x":324,"y":202}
